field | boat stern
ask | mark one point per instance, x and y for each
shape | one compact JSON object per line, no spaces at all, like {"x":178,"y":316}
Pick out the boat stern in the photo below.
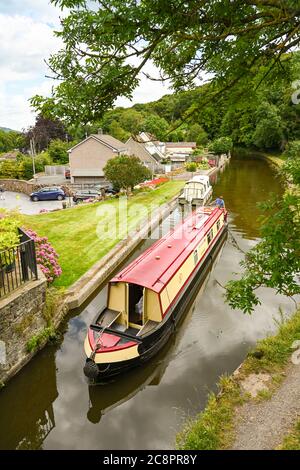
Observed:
{"x":106,"y":350}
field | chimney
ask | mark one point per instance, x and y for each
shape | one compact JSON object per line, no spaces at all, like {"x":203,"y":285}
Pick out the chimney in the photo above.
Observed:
{"x":100,"y":131}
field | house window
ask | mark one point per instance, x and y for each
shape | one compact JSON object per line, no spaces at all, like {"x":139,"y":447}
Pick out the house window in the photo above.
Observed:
{"x":218,"y":225}
{"x":196,"y":257}
{"x":210,"y":236}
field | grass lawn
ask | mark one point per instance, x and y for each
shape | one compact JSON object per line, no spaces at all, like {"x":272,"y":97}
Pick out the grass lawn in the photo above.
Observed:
{"x":84,"y":234}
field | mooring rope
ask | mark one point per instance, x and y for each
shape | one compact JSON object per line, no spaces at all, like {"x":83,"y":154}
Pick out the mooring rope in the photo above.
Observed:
{"x":234,"y":242}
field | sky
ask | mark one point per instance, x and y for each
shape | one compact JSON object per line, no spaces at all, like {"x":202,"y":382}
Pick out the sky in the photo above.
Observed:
{"x":26,"y":40}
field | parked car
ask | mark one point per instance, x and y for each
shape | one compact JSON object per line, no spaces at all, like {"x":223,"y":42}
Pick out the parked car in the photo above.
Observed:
{"x":108,"y":188}
{"x":85,"y":194}
{"x":48,"y":194}
{"x":111,"y":190}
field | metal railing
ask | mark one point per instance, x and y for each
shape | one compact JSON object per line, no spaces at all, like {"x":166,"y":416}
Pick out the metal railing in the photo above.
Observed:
{"x":18,"y":265}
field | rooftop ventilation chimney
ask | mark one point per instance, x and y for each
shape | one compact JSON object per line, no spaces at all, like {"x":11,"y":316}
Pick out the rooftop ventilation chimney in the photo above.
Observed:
{"x":100,"y":131}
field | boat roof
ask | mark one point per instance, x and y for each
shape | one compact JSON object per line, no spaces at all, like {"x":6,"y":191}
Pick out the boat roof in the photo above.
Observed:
{"x":200,"y":178}
{"x":155,"y":267}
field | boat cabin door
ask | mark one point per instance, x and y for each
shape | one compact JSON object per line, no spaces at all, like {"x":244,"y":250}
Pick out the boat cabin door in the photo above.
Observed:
{"x":136,"y":303}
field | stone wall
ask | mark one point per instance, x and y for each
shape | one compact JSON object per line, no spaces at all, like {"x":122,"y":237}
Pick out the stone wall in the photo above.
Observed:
{"x":26,"y":187}
{"x":21,"y":317}
{"x":19,"y":186}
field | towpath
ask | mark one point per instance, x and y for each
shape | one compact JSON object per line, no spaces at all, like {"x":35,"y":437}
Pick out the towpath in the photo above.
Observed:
{"x":263,"y":425}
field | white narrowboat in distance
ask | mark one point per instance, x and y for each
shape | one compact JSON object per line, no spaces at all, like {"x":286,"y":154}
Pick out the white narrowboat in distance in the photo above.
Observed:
{"x":147,"y":298}
{"x":196,"y":191}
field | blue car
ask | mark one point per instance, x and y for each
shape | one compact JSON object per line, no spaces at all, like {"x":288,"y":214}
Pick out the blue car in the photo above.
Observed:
{"x":48,"y":194}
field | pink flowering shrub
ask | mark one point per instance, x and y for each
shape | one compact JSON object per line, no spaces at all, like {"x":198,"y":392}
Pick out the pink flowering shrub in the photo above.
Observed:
{"x":46,"y":256}
{"x":89,"y":200}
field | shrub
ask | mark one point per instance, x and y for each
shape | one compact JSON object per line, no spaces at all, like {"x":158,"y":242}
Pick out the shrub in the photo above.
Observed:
{"x":192,"y":166}
{"x":37,"y":340}
{"x":46,"y":257}
{"x":125,"y":171}
{"x":9,"y":236}
{"x":9,"y":169}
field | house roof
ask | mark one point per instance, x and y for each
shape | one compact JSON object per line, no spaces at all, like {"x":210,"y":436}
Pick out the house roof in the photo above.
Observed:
{"x":147,"y":137}
{"x":110,"y":140}
{"x":140,"y":151}
{"x":180,"y":144}
{"x":105,"y":139}
{"x":157,"y":266}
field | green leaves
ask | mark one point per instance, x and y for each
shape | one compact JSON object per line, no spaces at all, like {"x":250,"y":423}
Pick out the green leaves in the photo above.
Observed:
{"x":9,"y":236}
{"x":106,"y":48}
{"x":221,"y":145}
{"x":125,"y":171}
{"x":275,"y":261}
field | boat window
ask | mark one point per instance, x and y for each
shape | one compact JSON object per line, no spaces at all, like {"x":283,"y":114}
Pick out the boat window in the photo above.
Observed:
{"x":218,"y":225}
{"x":209,"y":236}
{"x":196,"y":257}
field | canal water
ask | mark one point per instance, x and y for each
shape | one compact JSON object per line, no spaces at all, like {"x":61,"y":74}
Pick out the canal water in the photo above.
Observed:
{"x":50,"y":405}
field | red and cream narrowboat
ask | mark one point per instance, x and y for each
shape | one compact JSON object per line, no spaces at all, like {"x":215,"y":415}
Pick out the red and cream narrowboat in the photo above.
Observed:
{"x":146,"y":299}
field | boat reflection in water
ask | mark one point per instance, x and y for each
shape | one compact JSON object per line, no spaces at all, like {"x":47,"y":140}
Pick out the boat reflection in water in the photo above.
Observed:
{"x":27,"y":424}
{"x":129,"y":384}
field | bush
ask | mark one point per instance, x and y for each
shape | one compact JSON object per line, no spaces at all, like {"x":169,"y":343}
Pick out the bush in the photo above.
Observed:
{"x":46,"y":257}
{"x":58,"y":151}
{"x":9,"y":169}
{"x":22,"y":168}
{"x":292,"y":150}
{"x":126,"y":171}
{"x":9,"y":236}
{"x":192,"y":166}
{"x":203,"y":165}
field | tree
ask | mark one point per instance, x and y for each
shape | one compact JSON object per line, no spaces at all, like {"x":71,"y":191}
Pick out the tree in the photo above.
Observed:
{"x":44,"y":131}
{"x":125,"y":171}
{"x":106,"y":48}
{"x":58,"y":151}
{"x":117,"y":131}
{"x":11,"y":140}
{"x":132,"y":121}
{"x":221,"y":145}
{"x":197,"y":134}
{"x":25,"y":166}
{"x":156,"y":126}
{"x":268,"y":132}
{"x":275,"y":260}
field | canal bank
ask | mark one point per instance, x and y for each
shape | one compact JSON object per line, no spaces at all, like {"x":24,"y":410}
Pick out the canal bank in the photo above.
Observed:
{"x":50,"y":394}
{"x":258,"y":404}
